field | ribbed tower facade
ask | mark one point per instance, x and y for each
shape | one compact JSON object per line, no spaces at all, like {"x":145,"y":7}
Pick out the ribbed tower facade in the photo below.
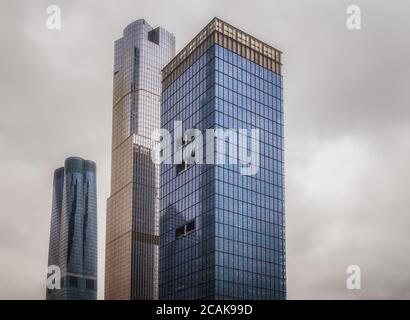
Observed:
{"x":73,"y":232}
{"x":132,"y":238}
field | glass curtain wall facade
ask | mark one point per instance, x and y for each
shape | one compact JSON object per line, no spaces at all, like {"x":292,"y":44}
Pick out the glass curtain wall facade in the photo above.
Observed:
{"x":223,"y":233}
{"x":73,"y":232}
{"x":132,"y":238}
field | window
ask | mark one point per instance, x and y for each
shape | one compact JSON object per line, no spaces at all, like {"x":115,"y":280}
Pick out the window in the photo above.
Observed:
{"x":73,"y":281}
{"x":90,"y":284}
{"x":185,"y":229}
{"x":190,"y":226}
{"x":153,"y":36}
{"x":180,"y":232}
{"x":182,"y":167}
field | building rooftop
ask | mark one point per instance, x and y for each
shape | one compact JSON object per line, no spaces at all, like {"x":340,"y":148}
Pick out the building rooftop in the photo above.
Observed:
{"x":254,"y":47}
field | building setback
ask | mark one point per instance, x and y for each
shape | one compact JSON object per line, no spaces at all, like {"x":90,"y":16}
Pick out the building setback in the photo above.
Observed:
{"x":73,"y":232}
{"x":132,"y":237}
{"x":222,"y":233}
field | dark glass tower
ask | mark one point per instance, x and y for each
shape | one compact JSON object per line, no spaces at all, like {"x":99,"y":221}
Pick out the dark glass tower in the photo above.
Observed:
{"x":132,"y":238}
{"x":222,"y":232}
{"x":73,"y":233}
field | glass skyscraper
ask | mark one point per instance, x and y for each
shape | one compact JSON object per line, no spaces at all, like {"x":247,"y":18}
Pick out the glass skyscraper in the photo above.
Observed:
{"x":132,"y":238}
{"x":222,"y":232}
{"x":73,"y":232}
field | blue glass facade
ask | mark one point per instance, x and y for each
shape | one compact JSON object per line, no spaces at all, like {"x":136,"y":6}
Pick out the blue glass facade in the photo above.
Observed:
{"x":73,"y":233}
{"x":222,"y":232}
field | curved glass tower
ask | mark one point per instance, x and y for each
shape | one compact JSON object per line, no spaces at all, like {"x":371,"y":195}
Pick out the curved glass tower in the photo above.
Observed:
{"x":132,"y":238}
{"x":73,"y":233}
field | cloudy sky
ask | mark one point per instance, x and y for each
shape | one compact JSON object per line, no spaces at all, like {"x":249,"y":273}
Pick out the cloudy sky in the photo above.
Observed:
{"x":347,"y":116}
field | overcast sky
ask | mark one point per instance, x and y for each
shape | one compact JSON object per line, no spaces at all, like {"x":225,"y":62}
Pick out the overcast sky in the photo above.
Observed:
{"x":347,"y":126}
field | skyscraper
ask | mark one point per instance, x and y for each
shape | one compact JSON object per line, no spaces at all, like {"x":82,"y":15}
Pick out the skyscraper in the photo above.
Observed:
{"x":132,"y":238}
{"x":223,"y":232}
{"x":73,"y":232}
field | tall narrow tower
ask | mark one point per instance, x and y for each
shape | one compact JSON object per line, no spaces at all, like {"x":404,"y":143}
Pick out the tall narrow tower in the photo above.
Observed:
{"x":73,"y":232}
{"x":132,"y":238}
